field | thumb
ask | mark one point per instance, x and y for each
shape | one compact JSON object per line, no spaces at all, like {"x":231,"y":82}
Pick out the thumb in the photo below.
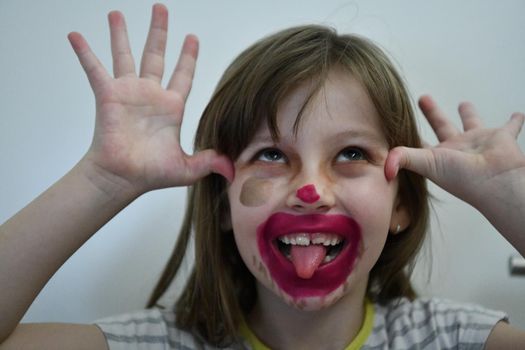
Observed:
{"x":418,"y":160}
{"x":209,"y":161}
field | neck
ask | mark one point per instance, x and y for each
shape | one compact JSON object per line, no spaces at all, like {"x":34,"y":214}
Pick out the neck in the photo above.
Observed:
{"x":281,"y":326}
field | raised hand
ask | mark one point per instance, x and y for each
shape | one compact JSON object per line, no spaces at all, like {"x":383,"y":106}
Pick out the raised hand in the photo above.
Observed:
{"x":136,"y":143}
{"x":468,"y":164}
{"x":484,"y":167}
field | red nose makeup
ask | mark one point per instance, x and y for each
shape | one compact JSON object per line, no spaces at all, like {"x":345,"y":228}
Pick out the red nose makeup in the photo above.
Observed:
{"x":308,"y":194}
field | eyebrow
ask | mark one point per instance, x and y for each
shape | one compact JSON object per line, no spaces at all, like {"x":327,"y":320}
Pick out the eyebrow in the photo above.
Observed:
{"x":264,"y":138}
{"x":361,"y":134}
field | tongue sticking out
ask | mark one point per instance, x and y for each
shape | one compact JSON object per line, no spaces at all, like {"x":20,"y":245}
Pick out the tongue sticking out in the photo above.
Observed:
{"x":307,"y":259}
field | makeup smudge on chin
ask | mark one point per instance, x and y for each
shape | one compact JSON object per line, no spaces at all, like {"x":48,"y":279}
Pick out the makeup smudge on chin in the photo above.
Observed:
{"x":255,"y":192}
{"x":301,"y":304}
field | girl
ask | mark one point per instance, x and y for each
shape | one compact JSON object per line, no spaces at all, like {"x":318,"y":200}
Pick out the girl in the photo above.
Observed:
{"x":308,"y":201}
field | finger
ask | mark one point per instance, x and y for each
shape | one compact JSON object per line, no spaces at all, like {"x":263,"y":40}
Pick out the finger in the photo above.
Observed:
{"x":209,"y":161}
{"x":152,"y":65}
{"x":123,"y":63}
{"x":418,"y":160}
{"x":95,"y":71}
{"x":437,"y":119}
{"x":182,"y":77}
{"x":515,"y":124}
{"x":469,"y":116}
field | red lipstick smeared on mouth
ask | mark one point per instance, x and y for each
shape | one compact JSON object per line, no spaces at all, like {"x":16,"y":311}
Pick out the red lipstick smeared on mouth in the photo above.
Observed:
{"x":305,"y":269}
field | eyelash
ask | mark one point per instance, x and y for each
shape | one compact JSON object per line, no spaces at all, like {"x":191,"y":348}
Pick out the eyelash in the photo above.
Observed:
{"x":355,"y":150}
{"x":271,"y":159}
{"x":272,"y":153}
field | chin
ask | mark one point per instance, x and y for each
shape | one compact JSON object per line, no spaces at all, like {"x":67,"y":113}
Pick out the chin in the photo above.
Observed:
{"x":317,"y":303}
{"x":315,"y":299}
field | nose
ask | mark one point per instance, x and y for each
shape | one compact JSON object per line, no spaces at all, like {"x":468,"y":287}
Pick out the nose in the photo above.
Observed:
{"x":311,"y":198}
{"x":308,"y":194}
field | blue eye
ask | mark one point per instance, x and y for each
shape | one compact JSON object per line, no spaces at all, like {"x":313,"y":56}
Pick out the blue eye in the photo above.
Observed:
{"x":351,"y":154}
{"x":271,"y":155}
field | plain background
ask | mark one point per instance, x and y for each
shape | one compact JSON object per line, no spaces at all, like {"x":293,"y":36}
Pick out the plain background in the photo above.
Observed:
{"x":455,"y":50}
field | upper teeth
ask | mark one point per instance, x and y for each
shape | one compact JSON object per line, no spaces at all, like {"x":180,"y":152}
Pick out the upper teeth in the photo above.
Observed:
{"x":306,"y":239}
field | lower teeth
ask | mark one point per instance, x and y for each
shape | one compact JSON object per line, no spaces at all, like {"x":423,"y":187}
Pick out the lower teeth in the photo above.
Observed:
{"x":327,"y":259}
{"x":332,"y":253}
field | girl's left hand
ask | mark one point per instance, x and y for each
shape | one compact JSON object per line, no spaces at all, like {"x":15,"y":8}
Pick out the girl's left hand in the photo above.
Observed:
{"x":484,"y":167}
{"x":474,"y":164}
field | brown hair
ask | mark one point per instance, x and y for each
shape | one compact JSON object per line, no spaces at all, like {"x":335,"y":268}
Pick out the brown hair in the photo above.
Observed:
{"x":220,"y":288}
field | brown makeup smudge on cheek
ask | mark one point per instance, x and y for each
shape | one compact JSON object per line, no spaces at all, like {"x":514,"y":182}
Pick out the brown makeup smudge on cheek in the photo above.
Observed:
{"x":262,"y":270}
{"x":255,"y":192}
{"x":346,"y":287}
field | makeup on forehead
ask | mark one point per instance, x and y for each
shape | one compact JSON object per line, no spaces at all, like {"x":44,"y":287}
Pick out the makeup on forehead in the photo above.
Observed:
{"x":255,"y":192}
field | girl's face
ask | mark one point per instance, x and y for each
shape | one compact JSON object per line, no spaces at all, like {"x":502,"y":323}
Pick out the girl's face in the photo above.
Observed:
{"x":311,"y":213}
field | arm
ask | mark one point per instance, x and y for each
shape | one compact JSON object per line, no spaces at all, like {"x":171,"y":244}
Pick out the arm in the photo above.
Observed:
{"x":135,"y":149}
{"x":484,"y":167}
{"x":504,"y":336}
{"x":55,"y":336}
{"x":42,"y":236}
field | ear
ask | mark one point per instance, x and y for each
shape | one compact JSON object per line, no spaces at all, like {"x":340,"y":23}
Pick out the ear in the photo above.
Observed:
{"x":400,"y":219}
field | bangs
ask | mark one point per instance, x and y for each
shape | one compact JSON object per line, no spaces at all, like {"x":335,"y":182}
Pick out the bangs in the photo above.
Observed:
{"x":254,"y":86}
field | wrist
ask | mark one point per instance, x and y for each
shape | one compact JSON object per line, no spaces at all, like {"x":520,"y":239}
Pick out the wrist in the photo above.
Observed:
{"x":503,"y":207}
{"x":111,"y":186}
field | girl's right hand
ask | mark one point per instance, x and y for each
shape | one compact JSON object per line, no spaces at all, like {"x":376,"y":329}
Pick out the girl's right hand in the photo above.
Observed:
{"x":136,"y":144}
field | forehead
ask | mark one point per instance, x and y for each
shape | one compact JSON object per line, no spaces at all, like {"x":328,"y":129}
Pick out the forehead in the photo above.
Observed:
{"x":341,"y":104}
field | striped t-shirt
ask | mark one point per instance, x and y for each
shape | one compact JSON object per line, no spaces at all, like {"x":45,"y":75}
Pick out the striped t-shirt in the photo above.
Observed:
{"x":402,"y":324}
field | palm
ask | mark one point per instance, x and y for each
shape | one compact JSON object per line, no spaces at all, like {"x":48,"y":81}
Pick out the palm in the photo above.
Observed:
{"x":138,"y":121}
{"x":473,"y":165}
{"x":137,"y":131}
{"x":478,"y":161}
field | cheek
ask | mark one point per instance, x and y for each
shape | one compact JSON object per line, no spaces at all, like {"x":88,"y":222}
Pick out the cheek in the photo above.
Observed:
{"x":255,"y":192}
{"x":368,"y":198}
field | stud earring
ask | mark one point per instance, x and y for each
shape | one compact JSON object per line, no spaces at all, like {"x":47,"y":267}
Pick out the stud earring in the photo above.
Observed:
{"x":398,"y":228}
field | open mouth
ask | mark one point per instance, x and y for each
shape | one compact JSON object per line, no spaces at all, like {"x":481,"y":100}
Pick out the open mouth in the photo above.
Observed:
{"x":309,"y":251}
{"x":309,"y":255}
{"x":329,"y":245}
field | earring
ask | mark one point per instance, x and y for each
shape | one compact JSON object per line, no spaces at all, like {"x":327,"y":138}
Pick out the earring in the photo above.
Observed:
{"x":398,"y":228}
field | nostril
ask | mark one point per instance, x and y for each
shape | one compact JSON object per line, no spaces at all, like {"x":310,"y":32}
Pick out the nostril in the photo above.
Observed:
{"x":322,"y":208}
{"x":311,"y":208}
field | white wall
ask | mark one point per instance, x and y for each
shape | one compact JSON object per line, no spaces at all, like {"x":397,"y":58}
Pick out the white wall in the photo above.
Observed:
{"x":455,"y":50}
